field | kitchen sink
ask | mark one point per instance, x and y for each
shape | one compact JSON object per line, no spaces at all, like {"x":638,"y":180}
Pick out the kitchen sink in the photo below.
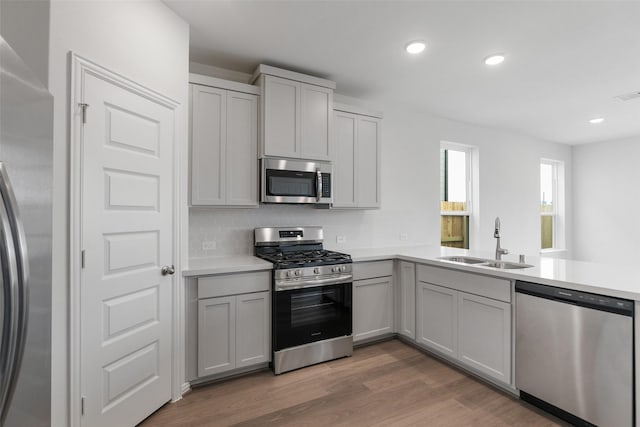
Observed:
{"x":464,"y":259}
{"x":505,"y":265}
{"x":483,"y":262}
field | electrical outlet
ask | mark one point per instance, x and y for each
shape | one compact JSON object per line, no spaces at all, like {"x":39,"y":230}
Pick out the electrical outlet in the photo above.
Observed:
{"x":208,"y":245}
{"x":341,"y":239}
{"x":404,"y":237}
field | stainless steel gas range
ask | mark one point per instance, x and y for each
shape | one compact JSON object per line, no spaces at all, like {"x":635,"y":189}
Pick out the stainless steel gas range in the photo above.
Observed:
{"x":311,"y":300}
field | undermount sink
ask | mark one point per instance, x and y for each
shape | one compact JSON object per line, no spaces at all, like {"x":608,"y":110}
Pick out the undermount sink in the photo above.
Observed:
{"x":504,"y":265}
{"x":464,"y":259}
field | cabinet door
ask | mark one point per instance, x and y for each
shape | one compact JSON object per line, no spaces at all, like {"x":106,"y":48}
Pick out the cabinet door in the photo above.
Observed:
{"x":344,"y":173}
{"x":485,"y":335}
{"x":281,"y":117}
{"x":437,"y":318}
{"x":216,"y":335}
{"x":372,"y":308}
{"x":252,"y":329}
{"x":208,"y":139}
{"x":407,"y":306}
{"x":316,"y":117}
{"x":368,"y":162}
{"x":242,"y":150}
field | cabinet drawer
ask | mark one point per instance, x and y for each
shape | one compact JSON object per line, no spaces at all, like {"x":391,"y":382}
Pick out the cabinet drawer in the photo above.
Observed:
{"x":371,"y":269}
{"x":491,"y":287}
{"x":233,"y":284}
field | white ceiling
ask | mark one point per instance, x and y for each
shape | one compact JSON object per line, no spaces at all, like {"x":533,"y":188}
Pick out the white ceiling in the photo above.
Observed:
{"x":566,"y":61}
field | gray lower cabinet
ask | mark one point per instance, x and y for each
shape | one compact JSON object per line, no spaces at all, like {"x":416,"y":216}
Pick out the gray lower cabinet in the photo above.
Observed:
{"x":471,"y":329}
{"x":372,"y":299}
{"x":437,"y":318}
{"x":407,"y":299}
{"x":484,"y":335}
{"x":233,"y":322}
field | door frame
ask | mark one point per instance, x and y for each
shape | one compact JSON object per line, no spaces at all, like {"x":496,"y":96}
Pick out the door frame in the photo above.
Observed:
{"x":79,"y":68}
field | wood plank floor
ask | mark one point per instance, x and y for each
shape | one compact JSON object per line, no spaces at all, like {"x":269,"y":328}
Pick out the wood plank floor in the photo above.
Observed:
{"x":385,"y":384}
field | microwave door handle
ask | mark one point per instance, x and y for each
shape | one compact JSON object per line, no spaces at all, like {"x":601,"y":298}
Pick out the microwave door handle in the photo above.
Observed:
{"x":318,"y":185}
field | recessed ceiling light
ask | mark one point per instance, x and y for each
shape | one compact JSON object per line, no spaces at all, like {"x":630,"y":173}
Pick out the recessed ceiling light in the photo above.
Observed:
{"x":596,"y":120}
{"x":494,"y":59}
{"x":415,"y":47}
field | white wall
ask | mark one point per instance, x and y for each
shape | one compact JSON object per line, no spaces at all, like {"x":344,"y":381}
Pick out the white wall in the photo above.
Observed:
{"x":142,"y":40}
{"x":25,"y":26}
{"x":509,"y":181}
{"x":606,"y":199}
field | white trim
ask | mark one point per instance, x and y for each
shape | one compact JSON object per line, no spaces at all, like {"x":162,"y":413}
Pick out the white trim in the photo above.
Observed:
{"x":354,"y":109}
{"x":223,"y":84}
{"x":80,"y":67}
{"x":469,"y":153}
{"x":557,"y":214}
{"x":291,"y":75}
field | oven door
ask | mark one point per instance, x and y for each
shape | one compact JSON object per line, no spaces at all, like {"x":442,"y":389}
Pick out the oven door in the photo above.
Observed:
{"x":293,"y":181}
{"x":302,"y":316}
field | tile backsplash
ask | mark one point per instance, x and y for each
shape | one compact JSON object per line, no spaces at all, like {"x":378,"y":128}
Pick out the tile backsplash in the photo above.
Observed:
{"x":232,"y":229}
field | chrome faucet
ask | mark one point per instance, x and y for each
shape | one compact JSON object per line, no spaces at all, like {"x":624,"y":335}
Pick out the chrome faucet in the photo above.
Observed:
{"x":499,"y":251}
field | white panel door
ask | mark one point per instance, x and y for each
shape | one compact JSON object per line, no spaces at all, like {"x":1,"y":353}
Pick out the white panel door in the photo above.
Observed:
{"x":208,"y":145}
{"x":372,"y":308}
{"x":127,"y":235}
{"x":242,"y":149}
{"x":485,"y":335}
{"x":437,"y":318}
{"x":344,"y":155}
{"x":368,"y":162}
{"x":316,"y":115}
{"x":216,"y":335}
{"x":253,"y":324}
{"x":281,"y":122}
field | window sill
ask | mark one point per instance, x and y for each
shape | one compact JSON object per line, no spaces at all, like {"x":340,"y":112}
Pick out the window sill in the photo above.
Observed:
{"x":552,"y":251}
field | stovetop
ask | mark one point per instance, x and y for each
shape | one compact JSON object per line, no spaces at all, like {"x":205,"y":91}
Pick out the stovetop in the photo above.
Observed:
{"x":304,"y":258}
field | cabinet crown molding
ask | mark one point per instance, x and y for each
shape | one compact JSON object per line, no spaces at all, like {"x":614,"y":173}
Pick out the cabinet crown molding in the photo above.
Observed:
{"x":291,"y":75}
{"x":223,"y":84}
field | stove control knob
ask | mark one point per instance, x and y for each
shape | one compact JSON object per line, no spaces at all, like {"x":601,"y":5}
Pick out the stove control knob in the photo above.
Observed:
{"x":335,"y":269}
{"x":297,"y":272}
{"x":316,"y":270}
{"x":343,"y":268}
{"x":288,"y":274}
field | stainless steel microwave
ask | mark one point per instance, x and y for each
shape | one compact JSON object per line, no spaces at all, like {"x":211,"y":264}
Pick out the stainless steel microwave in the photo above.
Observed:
{"x":296,"y":181}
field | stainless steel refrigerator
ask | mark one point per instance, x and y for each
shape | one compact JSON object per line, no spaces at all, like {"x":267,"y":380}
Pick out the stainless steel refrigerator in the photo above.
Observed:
{"x":26,"y":142}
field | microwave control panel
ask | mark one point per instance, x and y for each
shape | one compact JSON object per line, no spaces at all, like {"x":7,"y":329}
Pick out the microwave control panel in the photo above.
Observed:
{"x":326,"y":185}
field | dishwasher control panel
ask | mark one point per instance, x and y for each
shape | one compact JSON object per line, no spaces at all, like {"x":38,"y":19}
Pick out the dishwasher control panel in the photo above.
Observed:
{"x":586,"y":299}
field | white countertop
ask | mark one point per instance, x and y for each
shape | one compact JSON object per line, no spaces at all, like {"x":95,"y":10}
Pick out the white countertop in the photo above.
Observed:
{"x":225,"y":264}
{"x":607,"y":279}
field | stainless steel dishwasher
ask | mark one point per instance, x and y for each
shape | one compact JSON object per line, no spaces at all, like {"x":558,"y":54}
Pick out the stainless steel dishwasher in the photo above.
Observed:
{"x":574,"y":354}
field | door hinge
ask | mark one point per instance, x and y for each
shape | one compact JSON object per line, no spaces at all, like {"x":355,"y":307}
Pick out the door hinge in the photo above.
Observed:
{"x":82,"y":258}
{"x":84,"y":112}
{"x":82,"y":405}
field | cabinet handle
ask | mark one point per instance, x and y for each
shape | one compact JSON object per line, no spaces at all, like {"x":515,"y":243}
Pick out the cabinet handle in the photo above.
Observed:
{"x":168,"y":270}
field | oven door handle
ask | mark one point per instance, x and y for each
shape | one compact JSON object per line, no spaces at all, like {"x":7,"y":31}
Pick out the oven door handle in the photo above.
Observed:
{"x":312,"y":283}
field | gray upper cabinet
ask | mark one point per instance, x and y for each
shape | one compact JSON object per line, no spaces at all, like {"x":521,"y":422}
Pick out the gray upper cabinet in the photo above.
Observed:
{"x":296,"y":114}
{"x":224,"y":145}
{"x":356,"y":160}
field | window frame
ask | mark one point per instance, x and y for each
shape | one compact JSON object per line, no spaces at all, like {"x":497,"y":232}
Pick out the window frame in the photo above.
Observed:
{"x":557,"y":203}
{"x":468,"y":150}
{"x":470,"y":157}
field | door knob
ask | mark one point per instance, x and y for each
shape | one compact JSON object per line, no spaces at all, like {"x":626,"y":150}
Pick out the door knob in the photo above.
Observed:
{"x":168,"y":269}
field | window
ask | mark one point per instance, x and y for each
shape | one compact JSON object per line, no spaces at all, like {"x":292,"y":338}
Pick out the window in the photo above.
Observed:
{"x":455,"y":195}
{"x":551,"y":204}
